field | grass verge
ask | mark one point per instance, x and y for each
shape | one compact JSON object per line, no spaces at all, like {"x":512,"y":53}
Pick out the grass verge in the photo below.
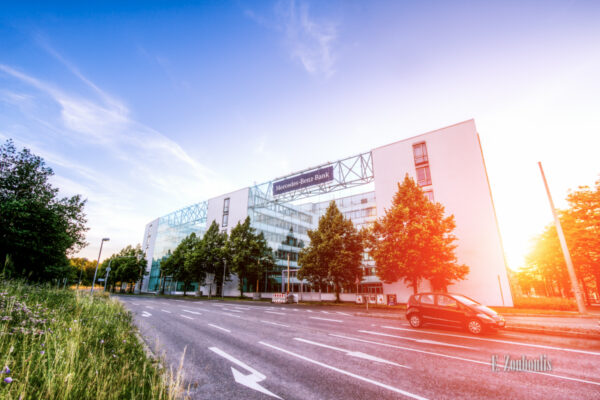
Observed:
{"x":59,"y":344}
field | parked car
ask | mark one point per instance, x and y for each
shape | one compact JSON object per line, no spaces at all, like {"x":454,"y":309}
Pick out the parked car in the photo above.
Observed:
{"x":451,"y":309}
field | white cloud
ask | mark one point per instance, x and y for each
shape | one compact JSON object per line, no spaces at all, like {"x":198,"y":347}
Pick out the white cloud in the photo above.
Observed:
{"x":155,"y":174}
{"x":307,"y":39}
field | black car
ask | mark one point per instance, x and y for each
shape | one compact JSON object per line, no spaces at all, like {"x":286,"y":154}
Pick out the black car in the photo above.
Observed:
{"x":451,"y":309}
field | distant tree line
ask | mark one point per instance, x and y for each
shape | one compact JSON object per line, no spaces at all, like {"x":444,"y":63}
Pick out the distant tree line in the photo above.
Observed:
{"x":545,"y":272}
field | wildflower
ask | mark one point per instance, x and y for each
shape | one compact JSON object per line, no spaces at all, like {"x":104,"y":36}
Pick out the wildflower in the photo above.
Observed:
{"x":124,"y":341}
{"x":6,"y":370}
{"x":114,"y":356}
{"x":8,"y":379}
{"x":101,"y":341}
{"x":43,"y":344}
{"x":42,"y":352}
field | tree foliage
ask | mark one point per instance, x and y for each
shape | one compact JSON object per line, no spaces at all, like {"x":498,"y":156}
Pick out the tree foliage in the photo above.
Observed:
{"x":38,"y":229}
{"x":127,"y":266}
{"x":545,"y":262}
{"x":249,"y":253}
{"x":414,"y":241}
{"x":84,"y":268}
{"x":180,"y":265}
{"x":334,"y":254}
{"x":214,"y":254}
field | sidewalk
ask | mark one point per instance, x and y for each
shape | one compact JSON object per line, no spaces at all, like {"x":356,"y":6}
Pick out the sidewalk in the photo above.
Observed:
{"x":583,"y":327}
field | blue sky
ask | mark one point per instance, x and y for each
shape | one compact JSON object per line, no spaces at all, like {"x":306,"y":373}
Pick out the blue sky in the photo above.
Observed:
{"x":146,"y":107}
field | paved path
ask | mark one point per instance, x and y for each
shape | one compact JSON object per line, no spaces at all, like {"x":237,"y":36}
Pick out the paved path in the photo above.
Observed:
{"x":245,"y":350}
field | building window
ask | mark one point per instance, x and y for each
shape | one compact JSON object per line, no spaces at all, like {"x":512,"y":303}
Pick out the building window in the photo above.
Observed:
{"x":225,"y":220}
{"x":420,"y":153}
{"x":429,"y":195}
{"x":423,"y":176}
{"x":226,"y":206}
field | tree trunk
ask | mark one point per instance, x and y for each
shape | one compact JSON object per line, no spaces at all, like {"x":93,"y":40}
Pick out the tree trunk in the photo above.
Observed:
{"x":241,"y":286}
{"x":184,"y":289}
{"x":337,"y":292}
{"x":415,"y":285}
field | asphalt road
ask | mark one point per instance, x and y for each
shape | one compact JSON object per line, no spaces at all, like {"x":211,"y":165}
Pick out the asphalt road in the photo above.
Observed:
{"x":246,"y":350}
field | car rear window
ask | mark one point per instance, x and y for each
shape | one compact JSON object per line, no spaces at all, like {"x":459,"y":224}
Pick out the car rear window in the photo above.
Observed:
{"x":426,"y":299}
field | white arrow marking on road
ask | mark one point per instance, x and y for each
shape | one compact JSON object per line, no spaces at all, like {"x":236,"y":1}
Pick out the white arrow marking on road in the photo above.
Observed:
{"x":275,"y":312}
{"x":166,"y":311}
{"x":275,"y":323}
{"x":146,"y":314}
{"x":347,"y":373}
{"x":418,"y":340}
{"x":192,"y":312}
{"x":218,"y":327}
{"x":327,"y":319}
{"x":251,"y":380}
{"x":350,"y":353}
{"x":185,"y":316}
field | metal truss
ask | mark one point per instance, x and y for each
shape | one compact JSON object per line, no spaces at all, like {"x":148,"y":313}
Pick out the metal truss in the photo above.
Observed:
{"x":196,"y":213}
{"x":347,"y":173}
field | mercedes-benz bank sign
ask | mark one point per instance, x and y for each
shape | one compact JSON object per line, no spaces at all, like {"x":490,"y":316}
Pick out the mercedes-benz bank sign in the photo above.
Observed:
{"x":301,"y":181}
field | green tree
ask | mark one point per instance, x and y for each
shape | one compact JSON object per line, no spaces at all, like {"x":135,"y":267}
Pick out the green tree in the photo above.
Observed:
{"x":334,"y":254}
{"x":85,"y":268}
{"x":179,"y":265}
{"x":414,"y":241}
{"x":38,"y":229}
{"x":214,"y":254}
{"x":127,"y":266}
{"x":249,"y":253}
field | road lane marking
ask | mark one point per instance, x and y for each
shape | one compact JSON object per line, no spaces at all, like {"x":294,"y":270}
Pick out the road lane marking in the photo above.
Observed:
{"x":308,"y":310}
{"x":150,"y":307}
{"x":192,"y":312}
{"x":458,"y":358}
{"x":325,"y":312}
{"x":146,"y":314}
{"x":251,"y":380}
{"x":185,"y":316}
{"x":229,"y":309}
{"x":166,"y":311}
{"x":218,"y":327}
{"x":327,"y":319}
{"x":541,"y":346}
{"x":218,"y":305}
{"x":135,"y":304}
{"x":425,"y":341}
{"x":351,"y":353}
{"x":341,"y":371}
{"x":274,"y":323}
{"x":181,"y":301}
{"x":242,"y":308}
{"x":275,"y":312}
{"x":230,"y":315}
{"x":343,"y":313}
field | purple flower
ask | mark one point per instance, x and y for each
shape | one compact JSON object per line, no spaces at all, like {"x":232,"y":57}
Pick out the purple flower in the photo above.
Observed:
{"x":8,"y":379}
{"x":124,"y":341}
{"x":43,"y":344}
{"x":101,"y":341}
{"x":6,"y":370}
{"x":42,"y":352}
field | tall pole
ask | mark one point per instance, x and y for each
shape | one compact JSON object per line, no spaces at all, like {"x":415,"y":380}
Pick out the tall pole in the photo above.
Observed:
{"x":97,"y":263}
{"x":288,"y":275}
{"x":565,"y":249}
{"x":223,"y":283}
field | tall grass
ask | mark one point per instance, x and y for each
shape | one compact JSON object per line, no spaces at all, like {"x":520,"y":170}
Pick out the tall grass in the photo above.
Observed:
{"x":546,"y":303}
{"x":59,"y":344}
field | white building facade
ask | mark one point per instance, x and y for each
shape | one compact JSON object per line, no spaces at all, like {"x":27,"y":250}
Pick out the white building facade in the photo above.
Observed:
{"x":447,"y":164}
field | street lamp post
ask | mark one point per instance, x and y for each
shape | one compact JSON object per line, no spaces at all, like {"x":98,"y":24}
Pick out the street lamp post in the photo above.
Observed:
{"x":97,"y":263}
{"x":223,"y":283}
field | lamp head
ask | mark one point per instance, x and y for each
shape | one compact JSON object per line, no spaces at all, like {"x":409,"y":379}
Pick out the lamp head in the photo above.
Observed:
{"x":105,"y":239}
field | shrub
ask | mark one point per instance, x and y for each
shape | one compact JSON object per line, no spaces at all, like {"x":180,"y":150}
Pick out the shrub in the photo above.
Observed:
{"x":546,"y":303}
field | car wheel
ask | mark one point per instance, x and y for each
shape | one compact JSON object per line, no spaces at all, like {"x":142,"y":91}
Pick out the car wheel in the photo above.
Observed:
{"x":474,"y":326}
{"x":415,"y":320}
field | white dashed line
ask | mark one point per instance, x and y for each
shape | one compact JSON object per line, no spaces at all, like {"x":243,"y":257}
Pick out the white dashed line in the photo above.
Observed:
{"x":327,"y":319}
{"x":275,"y":312}
{"x":218,"y":327}
{"x":192,"y":312}
{"x":343,"y":313}
{"x":166,"y":311}
{"x":185,"y":316}
{"x":275,"y":323}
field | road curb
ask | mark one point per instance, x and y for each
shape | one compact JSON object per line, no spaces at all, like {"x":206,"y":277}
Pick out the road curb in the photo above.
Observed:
{"x":589,"y":334}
